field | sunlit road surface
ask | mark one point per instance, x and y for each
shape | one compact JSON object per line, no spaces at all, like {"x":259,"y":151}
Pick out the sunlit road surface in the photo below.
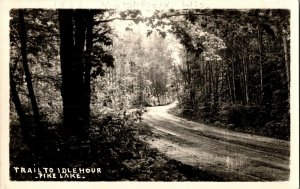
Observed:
{"x":232,"y":155}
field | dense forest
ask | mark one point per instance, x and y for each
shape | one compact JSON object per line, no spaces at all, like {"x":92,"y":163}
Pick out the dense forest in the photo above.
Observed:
{"x":81,"y":79}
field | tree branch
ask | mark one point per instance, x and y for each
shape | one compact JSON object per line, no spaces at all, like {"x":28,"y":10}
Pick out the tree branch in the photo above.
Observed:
{"x":117,"y":18}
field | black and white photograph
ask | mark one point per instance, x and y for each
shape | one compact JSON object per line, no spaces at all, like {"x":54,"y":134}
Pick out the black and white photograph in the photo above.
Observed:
{"x":161,"y":95}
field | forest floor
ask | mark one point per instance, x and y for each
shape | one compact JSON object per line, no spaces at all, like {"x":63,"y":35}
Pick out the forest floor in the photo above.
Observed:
{"x":232,"y":155}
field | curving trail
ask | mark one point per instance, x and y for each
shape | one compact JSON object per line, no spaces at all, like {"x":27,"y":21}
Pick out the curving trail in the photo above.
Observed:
{"x":232,"y":155}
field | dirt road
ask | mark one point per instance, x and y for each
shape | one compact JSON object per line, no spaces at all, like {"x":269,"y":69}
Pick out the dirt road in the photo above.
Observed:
{"x":232,"y":155}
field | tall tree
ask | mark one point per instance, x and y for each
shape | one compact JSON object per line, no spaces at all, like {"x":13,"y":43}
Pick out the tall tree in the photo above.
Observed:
{"x":72,"y":29}
{"x":88,"y":67}
{"x":79,"y":58}
{"x":23,"y":39}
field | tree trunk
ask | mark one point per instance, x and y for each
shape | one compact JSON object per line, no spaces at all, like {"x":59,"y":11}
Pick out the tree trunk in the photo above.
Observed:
{"x":23,"y":37}
{"x":177,"y":83}
{"x":210,"y":82}
{"x":216,"y":87}
{"x":158,"y":99}
{"x":87,"y":68}
{"x":233,"y":82}
{"x":78,"y":67}
{"x":260,"y":63}
{"x":229,"y":82}
{"x":188,"y":70}
{"x":68,"y":88}
{"x":205,"y":81}
{"x":66,"y":54}
{"x":287,"y":63}
{"x":20,"y":112}
{"x":72,"y":67}
{"x":246,"y":80}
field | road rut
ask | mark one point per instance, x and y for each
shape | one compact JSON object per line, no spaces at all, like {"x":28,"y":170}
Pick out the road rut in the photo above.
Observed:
{"x":232,"y":155}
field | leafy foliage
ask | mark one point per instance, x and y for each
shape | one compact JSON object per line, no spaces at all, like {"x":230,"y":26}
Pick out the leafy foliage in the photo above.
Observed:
{"x":244,"y":62}
{"x":229,"y":68}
